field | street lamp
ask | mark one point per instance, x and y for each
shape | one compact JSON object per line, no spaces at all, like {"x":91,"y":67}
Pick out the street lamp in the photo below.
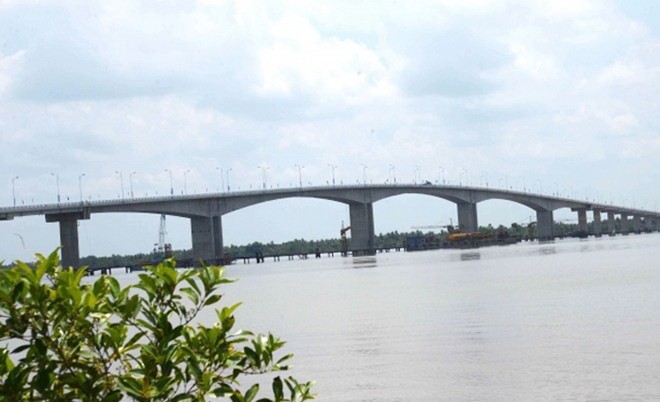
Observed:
{"x":222,"y":178}
{"x":121,"y":182}
{"x":417,"y":173}
{"x":80,"y":185}
{"x":13,"y":189}
{"x":185,"y":181}
{"x":333,"y":167}
{"x":57,"y":183}
{"x":300,"y":168}
{"x":393,"y":170}
{"x":442,"y":172}
{"x":130,"y":180}
{"x":171,"y":186}
{"x":264,"y":175}
{"x":364,"y":173}
{"x":228,"y":188}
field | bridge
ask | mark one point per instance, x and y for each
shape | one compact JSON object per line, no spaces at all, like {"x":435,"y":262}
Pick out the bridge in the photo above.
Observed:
{"x":205,"y":212}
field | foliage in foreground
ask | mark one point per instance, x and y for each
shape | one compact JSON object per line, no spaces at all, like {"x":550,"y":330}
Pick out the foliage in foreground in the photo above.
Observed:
{"x":64,"y":339}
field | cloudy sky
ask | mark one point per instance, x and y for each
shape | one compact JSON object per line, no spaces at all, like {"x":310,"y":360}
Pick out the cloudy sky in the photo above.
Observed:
{"x":554,"y":96}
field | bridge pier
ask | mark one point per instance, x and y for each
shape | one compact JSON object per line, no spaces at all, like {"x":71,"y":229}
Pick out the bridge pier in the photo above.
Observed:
{"x":637,"y":224}
{"x":624,"y":224}
{"x":648,"y":224}
{"x":545,"y":225}
{"x":582,"y":221}
{"x":467,"y":216}
{"x":362,"y":228}
{"x":218,"y":244}
{"x":611,"y":223}
{"x":598,"y":225}
{"x":70,"y":251}
{"x":206,"y":237}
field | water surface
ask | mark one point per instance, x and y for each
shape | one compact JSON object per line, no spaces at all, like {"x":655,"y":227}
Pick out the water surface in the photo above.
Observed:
{"x":566,"y":320}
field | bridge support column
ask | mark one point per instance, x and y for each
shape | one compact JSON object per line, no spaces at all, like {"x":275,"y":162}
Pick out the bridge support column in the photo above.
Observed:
{"x":582,"y":221}
{"x":362,"y":229}
{"x":624,"y":224}
{"x":637,"y":224}
{"x":467,"y":216}
{"x":545,"y":225}
{"x":598,"y":226}
{"x":203,"y":242}
{"x":70,"y":252}
{"x":218,"y":245}
{"x":611,"y":223}
{"x":648,"y":224}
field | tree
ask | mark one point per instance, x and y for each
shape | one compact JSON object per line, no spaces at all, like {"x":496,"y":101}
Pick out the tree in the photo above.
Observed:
{"x":66,"y":338}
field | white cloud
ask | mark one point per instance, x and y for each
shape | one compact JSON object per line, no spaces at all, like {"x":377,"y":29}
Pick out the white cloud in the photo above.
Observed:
{"x":9,"y":65}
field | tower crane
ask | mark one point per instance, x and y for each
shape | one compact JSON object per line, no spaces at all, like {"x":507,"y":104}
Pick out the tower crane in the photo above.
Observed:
{"x":162,"y":247}
{"x":343,"y":239}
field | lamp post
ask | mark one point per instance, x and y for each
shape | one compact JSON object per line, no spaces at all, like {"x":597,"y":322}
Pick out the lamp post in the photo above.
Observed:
{"x":417,"y":173}
{"x":442,"y":173}
{"x":185,"y":181}
{"x":13,"y":189}
{"x":364,"y":173}
{"x":130,"y":180}
{"x":57,"y":183}
{"x":171,"y":186}
{"x":333,"y":167}
{"x":264,"y":175}
{"x":393,"y":170}
{"x":228,"y":188}
{"x":300,"y":168}
{"x":222,"y":178}
{"x":80,"y":185}
{"x":121,"y":182}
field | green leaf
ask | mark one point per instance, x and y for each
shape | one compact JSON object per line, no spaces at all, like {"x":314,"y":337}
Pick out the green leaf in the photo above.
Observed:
{"x":212,"y":299}
{"x":191,"y":293}
{"x":278,"y":391}
{"x":251,"y":393}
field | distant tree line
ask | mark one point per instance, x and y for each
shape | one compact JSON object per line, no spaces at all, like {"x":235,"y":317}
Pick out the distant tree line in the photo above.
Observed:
{"x":302,"y":246}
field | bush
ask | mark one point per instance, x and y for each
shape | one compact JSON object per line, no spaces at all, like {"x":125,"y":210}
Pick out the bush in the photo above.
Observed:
{"x":72,"y":340}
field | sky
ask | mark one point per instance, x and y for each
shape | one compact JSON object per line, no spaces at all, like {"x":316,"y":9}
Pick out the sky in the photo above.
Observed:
{"x":99,"y":98}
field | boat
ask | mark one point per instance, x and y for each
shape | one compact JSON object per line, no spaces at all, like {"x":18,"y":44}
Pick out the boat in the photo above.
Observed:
{"x":457,"y":238}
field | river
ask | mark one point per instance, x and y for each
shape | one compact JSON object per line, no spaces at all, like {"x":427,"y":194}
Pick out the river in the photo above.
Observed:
{"x":565,"y":320}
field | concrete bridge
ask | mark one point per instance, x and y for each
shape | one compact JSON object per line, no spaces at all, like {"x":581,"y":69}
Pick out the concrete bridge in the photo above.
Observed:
{"x":205,"y":212}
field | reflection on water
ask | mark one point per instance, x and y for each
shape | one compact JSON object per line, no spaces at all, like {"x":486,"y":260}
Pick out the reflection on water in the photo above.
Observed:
{"x":364,"y":262}
{"x":472,"y":255}
{"x":547,"y":250}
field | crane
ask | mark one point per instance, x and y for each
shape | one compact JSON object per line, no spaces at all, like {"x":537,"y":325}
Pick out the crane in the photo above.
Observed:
{"x":162,"y":247}
{"x":343,"y":239}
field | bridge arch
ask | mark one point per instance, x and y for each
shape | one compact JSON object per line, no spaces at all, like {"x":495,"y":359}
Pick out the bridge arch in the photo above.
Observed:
{"x":286,"y":218}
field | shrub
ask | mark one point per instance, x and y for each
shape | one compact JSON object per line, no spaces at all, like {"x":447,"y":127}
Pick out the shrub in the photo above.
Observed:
{"x":65,"y":338}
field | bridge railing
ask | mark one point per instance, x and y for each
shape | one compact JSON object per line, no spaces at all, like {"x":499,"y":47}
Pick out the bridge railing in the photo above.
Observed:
{"x":54,"y":207}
